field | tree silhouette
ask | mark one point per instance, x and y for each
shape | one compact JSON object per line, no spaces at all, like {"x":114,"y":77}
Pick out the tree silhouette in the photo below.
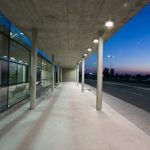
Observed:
{"x":112,"y":72}
{"x":106,"y":72}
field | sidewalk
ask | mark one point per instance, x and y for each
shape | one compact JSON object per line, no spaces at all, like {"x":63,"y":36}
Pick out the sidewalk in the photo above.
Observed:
{"x":67,"y":120}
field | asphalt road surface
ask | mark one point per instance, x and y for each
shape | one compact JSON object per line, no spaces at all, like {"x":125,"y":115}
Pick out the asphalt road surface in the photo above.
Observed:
{"x":135,"y":94}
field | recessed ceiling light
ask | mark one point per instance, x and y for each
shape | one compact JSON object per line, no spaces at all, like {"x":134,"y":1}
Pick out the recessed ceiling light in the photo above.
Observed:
{"x":109,"y":24}
{"x":95,"y":41}
{"x":85,"y":55}
{"x":125,"y":4}
{"x":89,"y":49}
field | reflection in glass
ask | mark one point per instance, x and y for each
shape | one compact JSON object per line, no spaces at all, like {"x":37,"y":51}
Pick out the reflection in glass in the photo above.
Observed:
{"x":19,"y":53}
{"x":12,"y":73}
{"x":3,"y":98}
{"x":18,"y":93}
{"x":21,"y":73}
{"x":3,"y":46}
{"x":3,"y":72}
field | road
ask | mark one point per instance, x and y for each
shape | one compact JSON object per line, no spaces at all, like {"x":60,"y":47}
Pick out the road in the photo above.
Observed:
{"x":134,"y":94}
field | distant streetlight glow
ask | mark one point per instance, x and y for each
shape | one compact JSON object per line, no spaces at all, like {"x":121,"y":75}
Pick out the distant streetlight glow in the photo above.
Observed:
{"x":95,"y":41}
{"x":109,"y":24}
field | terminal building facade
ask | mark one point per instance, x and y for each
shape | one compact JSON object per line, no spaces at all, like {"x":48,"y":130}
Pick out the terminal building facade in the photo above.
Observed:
{"x":15,"y":60}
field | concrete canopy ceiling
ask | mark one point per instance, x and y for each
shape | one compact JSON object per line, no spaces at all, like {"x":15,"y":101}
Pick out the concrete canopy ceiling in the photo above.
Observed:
{"x":66,"y":28}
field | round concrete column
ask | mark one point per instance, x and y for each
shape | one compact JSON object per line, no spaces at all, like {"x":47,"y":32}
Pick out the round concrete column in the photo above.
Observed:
{"x":53,"y":72}
{"x":61,"y":75}
{"x":58,"y":74}
{"x":99,"y":74}
{"x":83,"y":70}
{"x":77,"y":75}
{"x":33,"y":69}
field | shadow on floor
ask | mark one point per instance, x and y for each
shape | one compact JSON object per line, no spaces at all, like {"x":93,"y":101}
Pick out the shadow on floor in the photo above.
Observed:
{"x":33,"y":133}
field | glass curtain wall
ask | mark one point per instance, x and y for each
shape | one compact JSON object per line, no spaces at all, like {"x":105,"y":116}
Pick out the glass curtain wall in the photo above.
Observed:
{"x":15,"y":55}
{"x":18,"y":73}
{"x":14,"y":66}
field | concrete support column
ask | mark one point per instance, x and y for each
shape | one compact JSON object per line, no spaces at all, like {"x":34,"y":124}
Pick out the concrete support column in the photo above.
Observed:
{"x":53,"y":73}
{"x":77,"y":75}
{"x":83,"y":70}
{"x":58,"y":74}
{"x":99,"y":74}
{"x":61,"y":75}
{"x":33,"y":69}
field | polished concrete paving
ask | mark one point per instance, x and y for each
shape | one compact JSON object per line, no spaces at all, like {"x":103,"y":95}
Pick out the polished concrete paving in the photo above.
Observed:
{"x":67,"y":120}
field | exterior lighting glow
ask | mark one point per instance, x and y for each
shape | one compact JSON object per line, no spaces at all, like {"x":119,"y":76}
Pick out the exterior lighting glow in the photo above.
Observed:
{"x":95,"y":41}
{"x":109,"y":24}
{"x":125,"y":4}
{"x":84,"y":55}
{"x":89,"y":49}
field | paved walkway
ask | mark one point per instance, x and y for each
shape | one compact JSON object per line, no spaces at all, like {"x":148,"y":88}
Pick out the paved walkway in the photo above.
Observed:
{"x":67,"y":120}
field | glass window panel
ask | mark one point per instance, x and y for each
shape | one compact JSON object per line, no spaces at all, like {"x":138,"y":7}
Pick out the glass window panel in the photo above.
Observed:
{"x":4,"y":72}
{"x":39,"y":62}
{"x":12,"y":73}
{"x":38,"y":74}
{"x":3,"y":46}
{"x":3,"y":98}
{"x":4,"y":24}
{"x":21,"y":73}
{"x":18,"y":93}
{"x":19,"y":53}
{"x":27,"y":74}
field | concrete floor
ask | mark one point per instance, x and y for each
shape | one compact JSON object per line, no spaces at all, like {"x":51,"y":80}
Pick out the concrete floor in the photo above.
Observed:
{"x":67,"y":120}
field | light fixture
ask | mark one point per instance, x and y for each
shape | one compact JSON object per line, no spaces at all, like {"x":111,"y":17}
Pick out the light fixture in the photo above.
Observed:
{"x":109,"y":24}
{"x":95,"y":41}
{"x":89,"y":49}
{"x":21,"y":33}
{"x":85,"y":55}
{"x":125,"y":4}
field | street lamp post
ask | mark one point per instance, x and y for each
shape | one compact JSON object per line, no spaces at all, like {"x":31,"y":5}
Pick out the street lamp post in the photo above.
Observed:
{"x":110,"y":62}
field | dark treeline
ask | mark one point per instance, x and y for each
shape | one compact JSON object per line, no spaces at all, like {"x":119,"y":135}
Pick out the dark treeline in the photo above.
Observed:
{"x":109,"y":74}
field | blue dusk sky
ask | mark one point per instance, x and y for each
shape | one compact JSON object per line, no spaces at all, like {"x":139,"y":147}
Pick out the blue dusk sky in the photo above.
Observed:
{"x":130,"y":47}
